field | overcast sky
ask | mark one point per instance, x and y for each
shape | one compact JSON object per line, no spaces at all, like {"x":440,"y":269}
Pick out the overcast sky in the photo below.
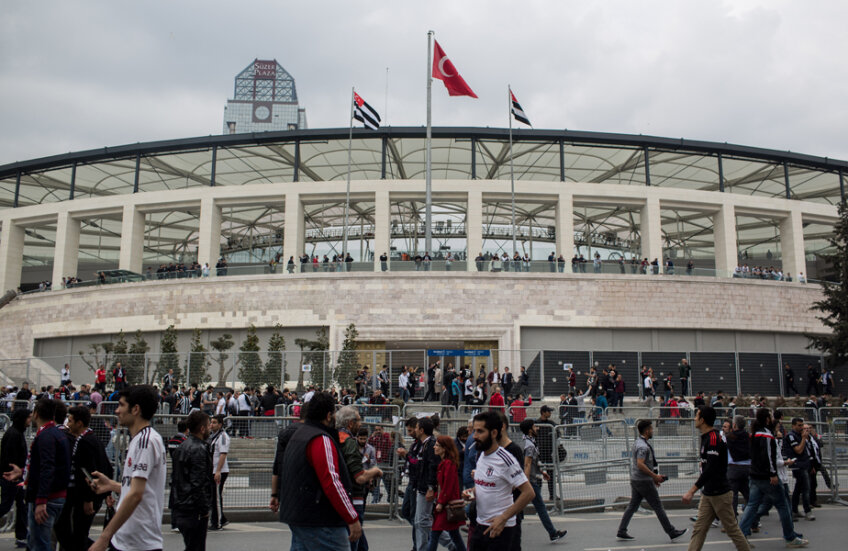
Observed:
{"x":769,"y":73}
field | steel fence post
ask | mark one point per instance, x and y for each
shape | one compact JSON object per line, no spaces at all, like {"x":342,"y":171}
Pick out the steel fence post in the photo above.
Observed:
{"x":780,"y":373}
{"x":542,"y":373}
{"x":738,"y":374}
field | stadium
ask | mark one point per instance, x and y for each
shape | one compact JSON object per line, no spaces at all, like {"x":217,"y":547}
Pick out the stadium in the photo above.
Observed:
{"x":122,"y":219}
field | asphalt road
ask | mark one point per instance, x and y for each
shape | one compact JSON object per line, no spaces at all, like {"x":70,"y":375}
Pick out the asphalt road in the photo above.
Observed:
{"x":586,"y":532}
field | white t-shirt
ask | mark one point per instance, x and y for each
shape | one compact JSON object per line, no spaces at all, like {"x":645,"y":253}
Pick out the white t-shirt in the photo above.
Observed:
{"x":220,"y":443}
{"x":308,"y":396}
{"x":648,"y":383}
{"x":495,"y":477}
{"x":145,"y":459}
{"x":221,"y":408}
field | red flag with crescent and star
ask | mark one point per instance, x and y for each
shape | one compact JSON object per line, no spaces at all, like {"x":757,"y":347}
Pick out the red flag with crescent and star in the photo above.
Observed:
{"x":444,"y":70}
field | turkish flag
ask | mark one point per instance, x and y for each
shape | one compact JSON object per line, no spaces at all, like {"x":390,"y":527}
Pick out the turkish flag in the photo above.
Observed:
{"x":444,"y":70}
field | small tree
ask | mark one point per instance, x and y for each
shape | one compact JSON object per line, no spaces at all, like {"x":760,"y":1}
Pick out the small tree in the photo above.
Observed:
{"x":834,"y":305}
{"x":98,"y":354}
{"x":137,"y":357}
{"x":250,"y":364}
{"x":197,"y":364}
{"x":221,"y":345}
{"x":168,"y":357}
{"x":314,"y":357}
{"x":274,"y":374}
{"x":347,"y":364}
{"x":120,"y":350}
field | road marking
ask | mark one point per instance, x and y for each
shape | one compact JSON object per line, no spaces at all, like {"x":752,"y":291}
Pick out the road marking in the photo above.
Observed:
{"x":668,"y":545}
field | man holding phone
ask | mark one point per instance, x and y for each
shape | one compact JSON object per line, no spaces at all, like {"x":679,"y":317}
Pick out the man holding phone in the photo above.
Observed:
{"x":87,"y":456}
{"x":644,"y":481}
{"x":137,"y":524}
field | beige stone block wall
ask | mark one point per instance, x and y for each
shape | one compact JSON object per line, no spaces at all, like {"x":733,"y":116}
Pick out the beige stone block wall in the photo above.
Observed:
{"x":412,"y":306}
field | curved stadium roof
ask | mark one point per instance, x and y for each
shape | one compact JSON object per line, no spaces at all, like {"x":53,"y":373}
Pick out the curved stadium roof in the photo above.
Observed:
{"x":458,"y":153}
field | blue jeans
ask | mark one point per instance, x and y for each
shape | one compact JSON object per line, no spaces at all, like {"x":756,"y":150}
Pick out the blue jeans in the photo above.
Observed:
{"x":541,"y":510}
{"x":40,"y":535}
{"x":319,"y":538}
{"x":362,"y":543}
{"x":455,"y":537}
{"x":762,"y":490}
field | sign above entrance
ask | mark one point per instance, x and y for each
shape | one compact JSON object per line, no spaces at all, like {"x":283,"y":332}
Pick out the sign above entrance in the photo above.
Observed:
{"x":477,"y":353}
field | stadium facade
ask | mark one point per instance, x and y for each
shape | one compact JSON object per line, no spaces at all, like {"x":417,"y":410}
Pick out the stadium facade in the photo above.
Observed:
{"x":259,"y":198}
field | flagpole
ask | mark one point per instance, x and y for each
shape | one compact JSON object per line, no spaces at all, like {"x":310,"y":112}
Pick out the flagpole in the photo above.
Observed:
{"x":347,"y":191}
{"x":511,"y":168}
{"x":428,"y":234}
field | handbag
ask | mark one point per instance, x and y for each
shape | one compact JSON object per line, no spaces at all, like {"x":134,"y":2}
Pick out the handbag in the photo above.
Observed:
{"x":455,"y":510}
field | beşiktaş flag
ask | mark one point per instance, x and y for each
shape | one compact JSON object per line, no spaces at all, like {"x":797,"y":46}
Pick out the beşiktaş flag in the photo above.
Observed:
{"x":517,"y":111}
{"x":364,"y":113}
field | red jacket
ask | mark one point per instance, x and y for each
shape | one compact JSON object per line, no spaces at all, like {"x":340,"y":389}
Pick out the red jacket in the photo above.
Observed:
{"x":496,"y":399}
{"x":448,"y":481}
{"x":519,"y":410}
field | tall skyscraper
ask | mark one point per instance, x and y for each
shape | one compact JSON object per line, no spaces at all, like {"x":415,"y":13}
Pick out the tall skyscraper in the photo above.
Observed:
{"x":265,"y":99}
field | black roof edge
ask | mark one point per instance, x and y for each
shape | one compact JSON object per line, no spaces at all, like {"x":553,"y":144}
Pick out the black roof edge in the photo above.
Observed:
{"x":577,"y":136}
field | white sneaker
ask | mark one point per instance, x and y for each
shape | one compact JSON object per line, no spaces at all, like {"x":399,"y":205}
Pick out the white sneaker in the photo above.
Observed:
{"x":715,"y":523}
{"x":797,"y":542}
{"x":809,"y":516}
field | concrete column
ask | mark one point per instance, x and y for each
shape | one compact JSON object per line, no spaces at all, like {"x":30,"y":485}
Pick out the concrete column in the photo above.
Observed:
{"x":209,"y":234}
{"x":724,"y":233}
{"x":295,"y":230}
{"x":473,"y":228}
{"x":565,"y":226}
{"x":11,"y":255}
{"x":66,"y":251}
{"x":650,"y":230}
{"x":132,"y":240}
{"x":792,"y":244}
{"x":382,"y":239}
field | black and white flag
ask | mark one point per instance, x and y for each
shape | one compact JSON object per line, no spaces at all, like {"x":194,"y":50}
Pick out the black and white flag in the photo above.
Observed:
{"x":517,"y":111}
{"x":364,"y":113}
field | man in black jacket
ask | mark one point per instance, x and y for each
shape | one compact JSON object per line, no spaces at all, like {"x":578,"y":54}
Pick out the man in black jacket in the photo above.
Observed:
{"x":191,"y":477}
{"x":46,"y":475}
{"x":716,"y":499}
{"x":425,"y":483}
{"x":765,"y":484}
{"x":87,"y":455}
{"x":739,"y":460}
{"x":13,"y":451}
{"x":316,"y":503}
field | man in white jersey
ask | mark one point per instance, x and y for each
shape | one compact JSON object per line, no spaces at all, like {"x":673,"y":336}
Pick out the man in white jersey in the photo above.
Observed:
{"x":137,"y":524}
{"x":497,"y":474}
{"x":219,"y":445}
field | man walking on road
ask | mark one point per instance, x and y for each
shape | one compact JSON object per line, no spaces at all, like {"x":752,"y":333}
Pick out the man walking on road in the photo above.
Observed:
{"x":46,"y":476}
{"x":534,"y":473}
{"x":496,"y":476}
{"x":716,"y":497}
{"x":192,"y":469}
{"x":644,"y":481}
{"x":765,"y":483}
{"x":137,"y":523}
{"x":313,"y":466}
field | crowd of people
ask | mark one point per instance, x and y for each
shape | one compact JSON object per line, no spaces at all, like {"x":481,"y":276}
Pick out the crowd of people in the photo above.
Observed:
{"x":478,"y":479}
{"x":762,"y":272}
